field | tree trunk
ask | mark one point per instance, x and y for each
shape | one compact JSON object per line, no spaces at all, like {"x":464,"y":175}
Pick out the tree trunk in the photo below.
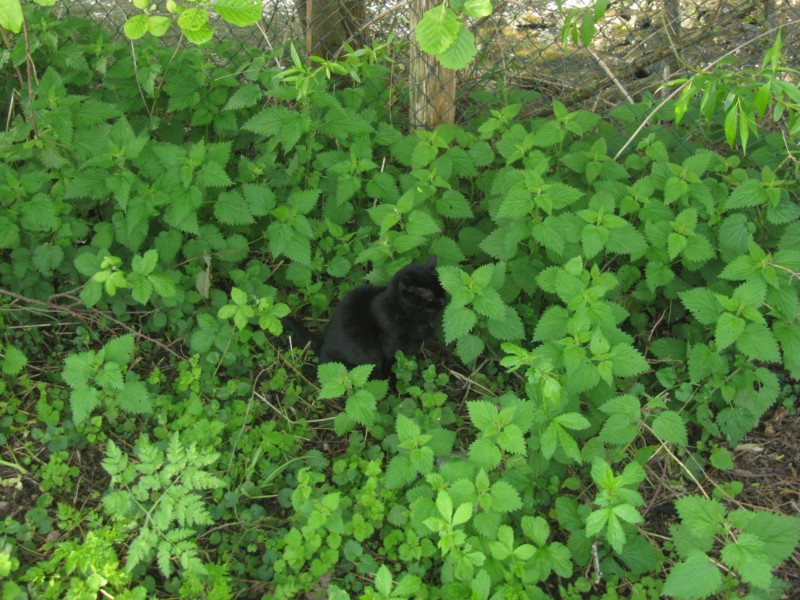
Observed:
{"x":329,"y":24}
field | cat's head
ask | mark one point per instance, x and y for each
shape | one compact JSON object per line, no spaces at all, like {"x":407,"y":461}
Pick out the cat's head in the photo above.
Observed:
{"x":418,"y":288}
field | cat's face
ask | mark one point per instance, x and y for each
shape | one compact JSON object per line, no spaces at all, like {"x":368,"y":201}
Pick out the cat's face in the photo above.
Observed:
{"x":420,"y":289}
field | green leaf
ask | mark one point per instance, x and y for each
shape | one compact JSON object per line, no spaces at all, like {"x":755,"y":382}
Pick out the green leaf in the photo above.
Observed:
{"x":232,"y":209}
{"x":483,"y":415}
{"x":83,"y":400}
{"x":485,"y":453}
{"x":694,"y":578}
{"x":478,"y":8}
{"x":383,"y":581}
{"x":158,"y":25}
{"x":453,"y":205}
{"x":729,"y":328}
{"x":47,"y":258}
{"x":361,"y":407}
{"x":504,"y":497}
{"x":627,"y":361}
{"x":757,"y":342}
{"x":670,"y":427}
{"x":11,"y":15}
{"x":702,"y":515}
{"x":241,"y":13}
{"x":331,"y":377}
{"x":703,"y":305}
{"x":748,"y":557}
{"x":461,"y":52}
{"x":135,"y":398}
{"x":13,"y":361}
{"x":213,"y":175}
{"x":245,"y":97}
{"x":135,"y":27}
{"x":119,"y":350}
{"x":437,"y":30}
{"x":9,"y":232}
{"x":457,"y":321}
{"x":747,"y":194}
{"x":789,"y":337}
{"x":193,"y":19}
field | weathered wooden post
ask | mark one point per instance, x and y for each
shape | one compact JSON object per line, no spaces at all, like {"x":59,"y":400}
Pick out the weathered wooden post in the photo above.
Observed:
{"x":432,"y":93}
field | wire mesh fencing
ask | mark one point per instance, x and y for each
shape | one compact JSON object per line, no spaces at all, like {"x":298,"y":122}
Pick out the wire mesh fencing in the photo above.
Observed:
{"x":638,"y":46}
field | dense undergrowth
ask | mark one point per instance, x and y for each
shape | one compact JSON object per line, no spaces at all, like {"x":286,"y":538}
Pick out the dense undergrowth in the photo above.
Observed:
{"x":159,"y":213}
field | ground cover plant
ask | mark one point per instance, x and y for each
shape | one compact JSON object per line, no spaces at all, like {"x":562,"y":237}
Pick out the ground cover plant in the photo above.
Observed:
{"x":614,"y":329}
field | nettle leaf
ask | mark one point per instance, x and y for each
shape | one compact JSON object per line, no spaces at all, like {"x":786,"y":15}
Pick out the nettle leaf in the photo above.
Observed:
{"x":232,"y":209}
{"x":135,"y":398}
{"x":453,"y":205}
{"x":119,"y":350}
{"x":483,"y":415}
{"x":729,"y":328}
{"x":747,"y":555}
{"x":508,"y":328}
{"x":504,"y":497}
{"x":246,"y":96}
{"x":627,"y":361}
{"x":485,"y":453}
{"x":361,"y":407}
{"x":702,"y":515}
{"x":469,"y":347}
{"x":13,"y":361}
{"x":670,"y":427}
{"x":695,"y":577}
{"x":83,"y":399}
{"x":757,"y":342}
{"x":703,"y":305}
{"x":213,"y":175}
{"x":458,"y":321}
{"x":747,"y":194}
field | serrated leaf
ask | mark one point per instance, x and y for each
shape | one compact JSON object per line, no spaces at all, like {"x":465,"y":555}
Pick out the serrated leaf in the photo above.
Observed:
{"x":361,"y":407}
{"x":505,"y":498}
{"x":13,"y":361}
{"x":485,"y":453}
{"x":483,"y":415}
{"x":747,"y":194}
{"x":83,"y":399}
{"x":457,"y":321}
{"x":694,"y":578}
{"x":703,"y":304}
{"x":246,"y":96}
{"x":232,"y":209}
{"x":729,"y":328}
{"x":757,"y":342}
{"x":748,"y":557}
{"x":627,"y":361}
{"x":135,"y":398}
{"x":213,"y":175}
{"x":119,"y":350}
{"x":670,"y":427}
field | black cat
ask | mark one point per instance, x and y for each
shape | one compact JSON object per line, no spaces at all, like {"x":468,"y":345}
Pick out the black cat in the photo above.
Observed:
{"x":372,"y":322}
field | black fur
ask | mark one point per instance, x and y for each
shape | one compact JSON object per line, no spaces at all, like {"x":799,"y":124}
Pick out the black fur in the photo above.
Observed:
{"x":372,"y":322}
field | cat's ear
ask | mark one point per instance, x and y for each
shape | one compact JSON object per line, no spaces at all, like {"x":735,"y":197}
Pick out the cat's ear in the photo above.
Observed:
{"x":431,"y":262}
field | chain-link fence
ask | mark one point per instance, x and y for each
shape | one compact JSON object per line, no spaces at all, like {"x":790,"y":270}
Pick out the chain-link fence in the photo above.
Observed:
{"x":638,"y":45}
